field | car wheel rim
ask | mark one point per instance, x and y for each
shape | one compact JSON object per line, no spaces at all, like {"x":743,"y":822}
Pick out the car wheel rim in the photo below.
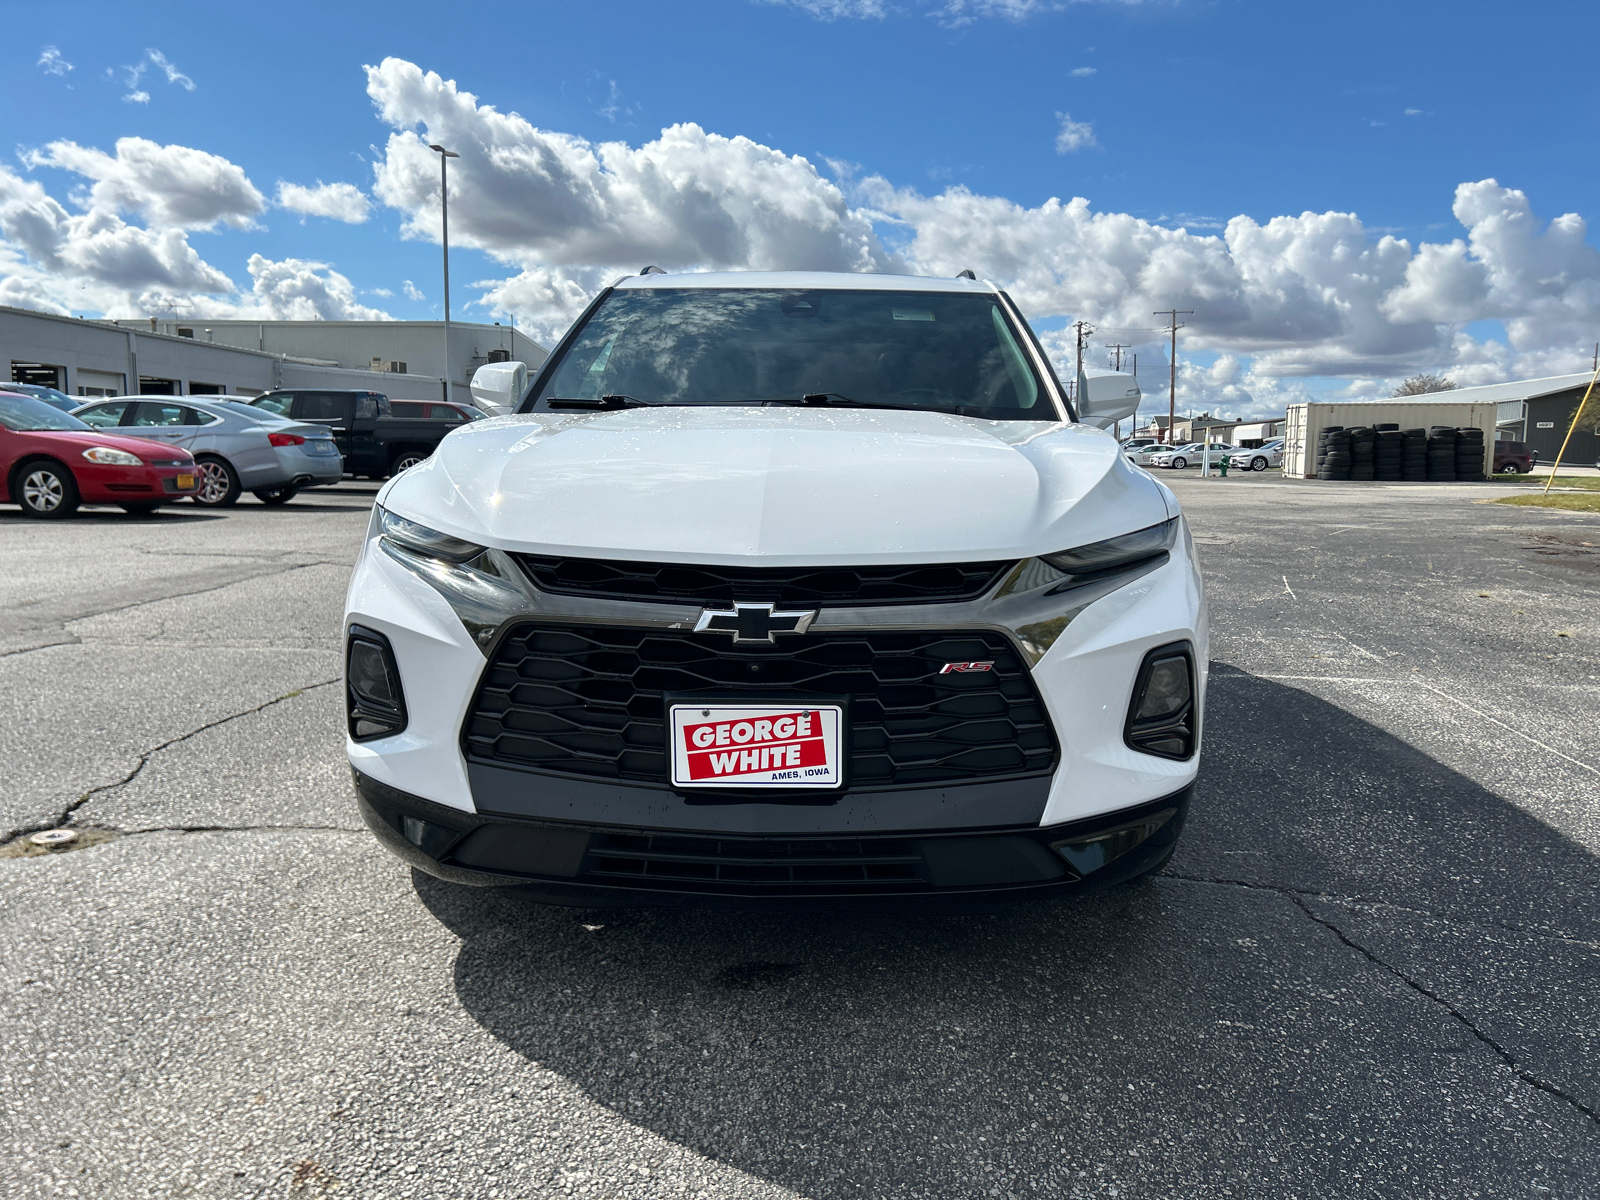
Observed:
{"x":213,"y":483}
{"x":42,"y":491}
{"x":406,"y":463}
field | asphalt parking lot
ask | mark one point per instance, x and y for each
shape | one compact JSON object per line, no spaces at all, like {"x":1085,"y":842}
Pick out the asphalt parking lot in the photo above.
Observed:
{"x":1372,"y":969}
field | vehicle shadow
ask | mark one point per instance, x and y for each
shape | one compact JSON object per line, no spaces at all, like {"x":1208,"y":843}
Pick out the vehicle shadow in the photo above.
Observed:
{"x":167,"y":516}
{"x":1173,"y":1036}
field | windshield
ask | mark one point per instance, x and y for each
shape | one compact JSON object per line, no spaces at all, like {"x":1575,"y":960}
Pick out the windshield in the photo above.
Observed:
{"x":948,"y":352}
{"x":21,"y":413}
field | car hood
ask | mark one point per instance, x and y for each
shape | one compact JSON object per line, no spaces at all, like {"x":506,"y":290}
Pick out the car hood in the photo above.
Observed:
{"x":80,"y":440}
{"x":787,"y":486}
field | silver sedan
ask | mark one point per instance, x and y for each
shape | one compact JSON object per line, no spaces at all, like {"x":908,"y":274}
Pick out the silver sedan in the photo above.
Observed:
{"x":235,"y":446}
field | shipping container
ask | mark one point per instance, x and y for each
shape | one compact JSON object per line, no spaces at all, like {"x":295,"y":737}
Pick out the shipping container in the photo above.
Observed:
{"x":1303,"y":422}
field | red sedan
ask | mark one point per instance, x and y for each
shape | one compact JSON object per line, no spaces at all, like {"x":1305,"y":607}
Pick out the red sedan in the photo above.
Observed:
{"x":50,"y":462}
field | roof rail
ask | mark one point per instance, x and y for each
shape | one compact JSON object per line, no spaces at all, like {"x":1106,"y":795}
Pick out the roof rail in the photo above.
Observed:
{"x":966,"y":273}
{"x":652,"y":271}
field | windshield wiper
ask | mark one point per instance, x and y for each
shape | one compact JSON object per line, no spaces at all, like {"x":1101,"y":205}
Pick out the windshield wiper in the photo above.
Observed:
{"x":840,"y":400}
{"x":605,"y":402}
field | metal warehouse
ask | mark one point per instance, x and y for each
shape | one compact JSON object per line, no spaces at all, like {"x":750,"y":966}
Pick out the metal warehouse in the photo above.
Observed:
{"x":156,"y":356}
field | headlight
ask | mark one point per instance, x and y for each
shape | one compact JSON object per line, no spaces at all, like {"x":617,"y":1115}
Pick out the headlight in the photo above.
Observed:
{"x":1115,"y":553}
{"x":419,"y":539}
{"x":483,"y":585}
{"x":107,"y":457}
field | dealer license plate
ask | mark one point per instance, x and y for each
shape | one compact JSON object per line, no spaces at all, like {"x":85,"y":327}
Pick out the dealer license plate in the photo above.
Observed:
{"x":755,"y":745}
{"x":185,"y":481}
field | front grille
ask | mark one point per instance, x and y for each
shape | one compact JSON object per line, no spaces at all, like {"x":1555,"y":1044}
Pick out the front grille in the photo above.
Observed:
{"x":753,"y":867}
{"x":590,"y":700}
{"x":812,"y":586}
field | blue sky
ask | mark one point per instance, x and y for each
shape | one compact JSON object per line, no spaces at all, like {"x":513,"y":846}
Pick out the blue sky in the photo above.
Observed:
{"x":1173,"y":114}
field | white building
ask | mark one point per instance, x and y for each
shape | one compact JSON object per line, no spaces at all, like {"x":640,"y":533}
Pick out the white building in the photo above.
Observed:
{"x":402,"y":359}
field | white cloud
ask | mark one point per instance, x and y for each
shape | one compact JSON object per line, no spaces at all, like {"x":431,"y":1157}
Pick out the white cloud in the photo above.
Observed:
{"x":539,"y":199}
{"x":336,"y":201}
{"x":52,"y":62}
{"x":386,"y":293}
{"x":158,"y":59}
{"x":167,"y":185}
{"x":295,"y":289}
{"x":1085,"y":72}
{"x":134,"y":73}
{"x":412,"y":291}
{"x":1074,"y":135}
{"x":833,"y":10}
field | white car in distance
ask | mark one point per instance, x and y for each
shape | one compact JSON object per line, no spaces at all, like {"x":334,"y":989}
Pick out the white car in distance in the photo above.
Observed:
{"x":1268,"y":454}
{"x":773,"y":591}
{"x":1139,"y":451}
{"x":1191,"y":454}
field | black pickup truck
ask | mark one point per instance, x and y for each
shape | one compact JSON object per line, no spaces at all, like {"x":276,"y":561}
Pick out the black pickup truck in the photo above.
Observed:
{"x":374,"y":440}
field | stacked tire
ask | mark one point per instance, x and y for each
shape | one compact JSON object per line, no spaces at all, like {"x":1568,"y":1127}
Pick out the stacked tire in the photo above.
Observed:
{"x":1414,"y":456}
{"x":1333,"y":456}
{"x":1441,"y":454}
{"x":1322,"y":445}
{"x":1386,"y":458}
{"x":1363,"y":448}
{"x":1469,"y":456}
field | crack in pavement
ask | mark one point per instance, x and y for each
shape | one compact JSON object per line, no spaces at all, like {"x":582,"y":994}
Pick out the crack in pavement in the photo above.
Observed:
{"x":1296,"y":897}
{"x":145,"y":757}
{"x":74,"y":640}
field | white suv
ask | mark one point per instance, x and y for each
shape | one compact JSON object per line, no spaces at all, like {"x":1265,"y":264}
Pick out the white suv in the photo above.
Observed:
{"x":779,"y":589}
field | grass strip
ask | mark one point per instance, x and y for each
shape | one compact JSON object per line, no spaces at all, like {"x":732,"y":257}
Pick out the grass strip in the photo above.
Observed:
{"x":1571,"y":501}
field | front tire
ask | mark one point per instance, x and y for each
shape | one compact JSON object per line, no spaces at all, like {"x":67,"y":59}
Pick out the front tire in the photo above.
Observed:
{"x":1510,"y":469}
{"x":1258,"y":463}
{"x":275,"y":496}
{"x":46,"y":490}
{"x":219,"y":482}
{"x":1179,"y":464}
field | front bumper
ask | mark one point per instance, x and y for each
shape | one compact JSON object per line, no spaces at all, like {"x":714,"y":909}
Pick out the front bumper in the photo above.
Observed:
{"x":585,"y":864}
{"x":111,"y":484}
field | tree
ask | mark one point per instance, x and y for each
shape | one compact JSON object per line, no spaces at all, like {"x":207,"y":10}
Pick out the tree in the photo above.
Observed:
{"x":1421,"y":385}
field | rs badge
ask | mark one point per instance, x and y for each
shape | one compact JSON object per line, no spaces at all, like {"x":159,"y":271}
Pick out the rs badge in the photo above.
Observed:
{"x":963,"y":668}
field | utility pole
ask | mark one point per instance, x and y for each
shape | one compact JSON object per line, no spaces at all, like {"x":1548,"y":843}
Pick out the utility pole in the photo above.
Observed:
{"x":1172,"y":314}
{"x":1083,"y":329}
{"x":444,"y":212}
{"x":1116,"y":349}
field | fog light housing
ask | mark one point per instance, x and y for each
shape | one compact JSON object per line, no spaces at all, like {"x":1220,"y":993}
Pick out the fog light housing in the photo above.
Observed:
{"x":374,"y":700}
{"x":1161,"y":716}
{"x":1089,"y":854}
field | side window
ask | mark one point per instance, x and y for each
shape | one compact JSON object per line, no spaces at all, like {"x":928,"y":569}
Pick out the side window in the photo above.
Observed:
{"x":104,"y":416}
{"x":277,"y":403}
{"x":322,"y":406}
{"x":193,"y":416}
{"x":406,"y":408}
{"x":148,"y":414}
{"x":367,"y":407}
{"x":444,"y":412}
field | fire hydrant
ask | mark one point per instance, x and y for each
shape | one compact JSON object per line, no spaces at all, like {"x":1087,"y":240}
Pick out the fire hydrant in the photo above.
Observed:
{"x":1223,"y":466}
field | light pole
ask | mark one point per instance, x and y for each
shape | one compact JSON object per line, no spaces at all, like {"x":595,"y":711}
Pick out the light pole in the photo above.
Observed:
{"x":444,"y":211}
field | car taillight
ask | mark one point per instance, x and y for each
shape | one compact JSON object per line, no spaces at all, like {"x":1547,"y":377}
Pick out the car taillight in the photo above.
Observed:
{"x":286,"y":439}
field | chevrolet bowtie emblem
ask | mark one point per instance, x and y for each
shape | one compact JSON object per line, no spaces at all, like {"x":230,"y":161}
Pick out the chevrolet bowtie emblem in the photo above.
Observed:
{"x":754,"y":622}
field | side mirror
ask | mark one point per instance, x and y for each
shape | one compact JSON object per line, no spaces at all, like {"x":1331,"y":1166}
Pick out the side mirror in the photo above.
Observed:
{"x":497,"y":387}
{"x":1106,"y":397}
